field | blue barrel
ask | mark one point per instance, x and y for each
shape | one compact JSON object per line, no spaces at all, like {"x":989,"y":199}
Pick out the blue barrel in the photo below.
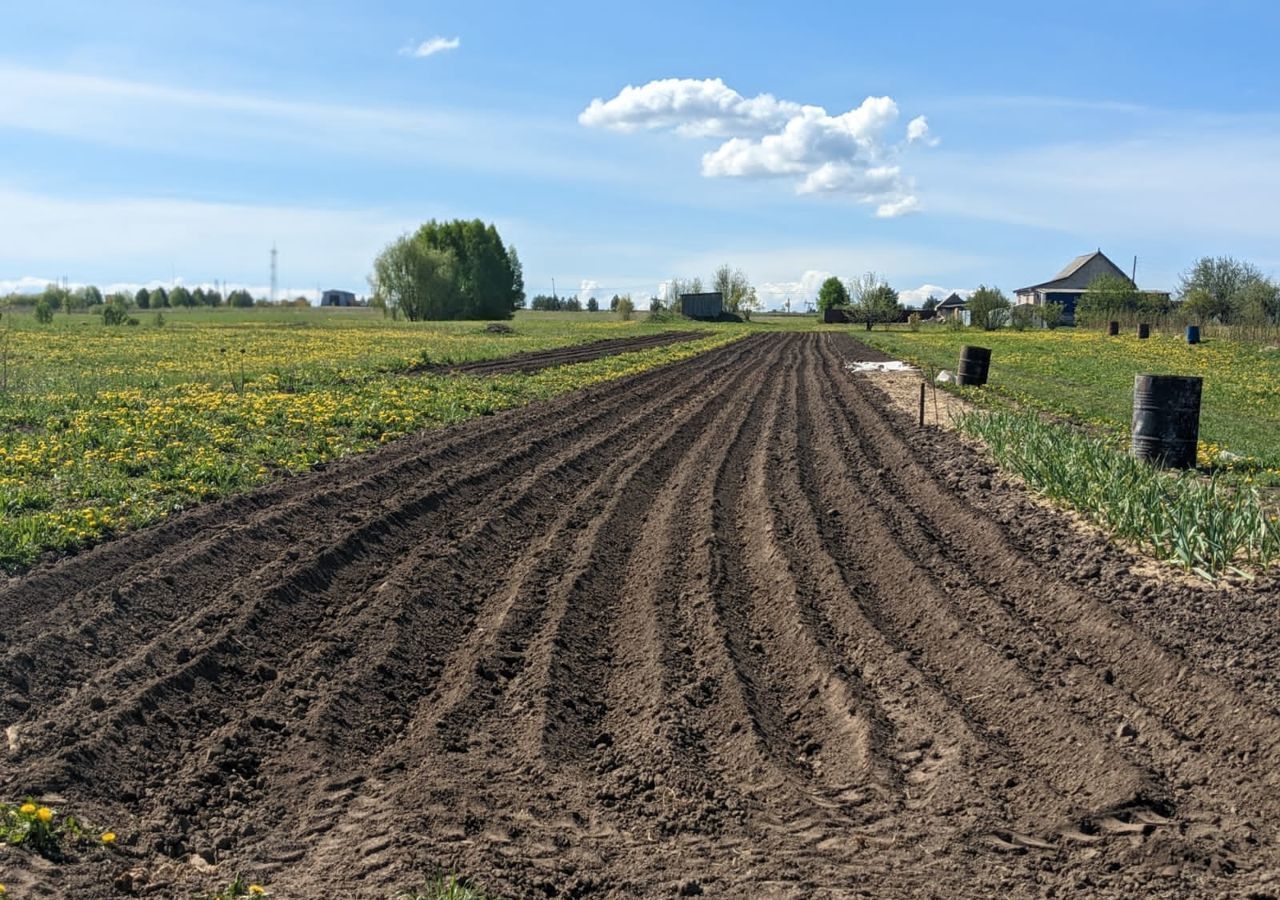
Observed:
{"x":1193,"y":334}
{"x":1166,"y":419}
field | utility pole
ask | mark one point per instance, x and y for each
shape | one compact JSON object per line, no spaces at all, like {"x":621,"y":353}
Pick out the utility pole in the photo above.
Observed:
{"x":273,"y":272}
{"x":553,"y":289}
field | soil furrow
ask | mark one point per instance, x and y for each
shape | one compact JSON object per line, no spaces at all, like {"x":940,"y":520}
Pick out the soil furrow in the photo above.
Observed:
{"x":729,"y":627}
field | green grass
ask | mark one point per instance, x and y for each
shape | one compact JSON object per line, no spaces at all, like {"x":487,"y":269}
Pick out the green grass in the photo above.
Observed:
{"x":105,"y":429}
{"x":445,"y":887}
{"x":1087,"y":377}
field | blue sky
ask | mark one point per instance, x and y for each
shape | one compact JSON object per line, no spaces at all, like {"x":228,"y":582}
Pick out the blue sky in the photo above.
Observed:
{"x":149,"y":142}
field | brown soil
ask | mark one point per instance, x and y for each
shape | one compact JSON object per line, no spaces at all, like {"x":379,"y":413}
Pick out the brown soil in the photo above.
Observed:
{"x":533,"y":360}
{"x":735,"y":626}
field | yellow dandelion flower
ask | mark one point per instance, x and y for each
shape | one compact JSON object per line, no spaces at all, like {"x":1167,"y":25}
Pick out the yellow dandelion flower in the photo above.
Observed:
{"x":27,"y":809}
{"x":44,"y":814}
{"x":257,"y":889}
{"x":2,"y":889}
{"x":108,"y":837}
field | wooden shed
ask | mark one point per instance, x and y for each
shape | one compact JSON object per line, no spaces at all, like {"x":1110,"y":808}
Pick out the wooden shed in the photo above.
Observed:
{"x":702,"y":306}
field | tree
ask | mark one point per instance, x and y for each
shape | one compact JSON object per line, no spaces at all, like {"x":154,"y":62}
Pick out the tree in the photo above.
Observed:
{"x":987,"y":307}
{"x":676,"y":288}
{"x":932,"y":302}
{"x":415,"y":279}
{"x":1107,"y":295}
{"x":485,"y":279}
{"x":593,"y":305}
{"x":181,"y":297}
{"x":873,"y":300}
{"x":613,"y":303}
{"x":625,"y":307}
{"x":517,"y":277}
{"x":736,"y":292}
{"x":142,"y":298}
{"x":240,"y":299}
{"x":1258,"y":303}
{"x":198,"y":297}
{"x":44,"y":311}
{"x":213,"y":298}
{"x":832,"y":294}
{"x":1212,"y":287}
{"x":89,"y":295}
{"x":159,"y":298}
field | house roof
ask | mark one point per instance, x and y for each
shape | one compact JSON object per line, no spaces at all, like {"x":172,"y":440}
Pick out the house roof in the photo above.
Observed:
{"x":1072,"y":268}
{"x":952,"y":302}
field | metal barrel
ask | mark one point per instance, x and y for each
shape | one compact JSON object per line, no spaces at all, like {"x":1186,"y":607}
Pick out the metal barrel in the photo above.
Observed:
{"x":1113,"y":328}
{"x":1193,"y":334}
{"x":1144,"y":331}
{"x":1166,"y":419}
{"x":975,"y":363}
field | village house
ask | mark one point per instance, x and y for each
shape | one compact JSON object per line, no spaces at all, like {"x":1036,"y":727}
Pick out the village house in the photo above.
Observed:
{"x":1068,"y":285}
{"x":952,"y":308}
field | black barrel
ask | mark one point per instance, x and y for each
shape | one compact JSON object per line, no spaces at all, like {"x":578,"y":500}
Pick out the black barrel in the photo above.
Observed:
{"x":1113,"y":328}
{"x":975,"y":362}
{"x":1193,"y":334}
{"x":1166,"y":419}
{"x":1144,"y":331}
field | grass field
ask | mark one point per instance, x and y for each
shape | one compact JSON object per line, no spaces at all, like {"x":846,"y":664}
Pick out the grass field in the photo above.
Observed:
{"x":1087,"y":377}
{"x":103,"y":429}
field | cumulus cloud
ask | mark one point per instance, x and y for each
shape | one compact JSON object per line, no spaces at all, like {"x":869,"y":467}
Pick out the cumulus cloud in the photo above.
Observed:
{"x":918,"y":132}
{"x":850,"y":154}
{"x":431,"y":47}
{"x":917,"y":296}
{"x":691,"y":107}
{"x":587,"y":289}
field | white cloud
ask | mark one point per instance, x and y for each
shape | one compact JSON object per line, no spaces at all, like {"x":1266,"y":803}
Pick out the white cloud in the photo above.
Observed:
{"x":918,"y":132}
{"x":691,"y":107}
{"x":899,"y":207}
{"x":848,"y":154}
{"x":773,"y":293}
{"x":587,"y":289}
{"x":431,"y":47}
{"x":917,"y":296}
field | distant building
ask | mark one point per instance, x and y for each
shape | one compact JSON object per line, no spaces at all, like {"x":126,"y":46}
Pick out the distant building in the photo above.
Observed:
{"x":702,"y":306}
{"x":337,"y":298}
{"x":1068,"y":285}
{"x":954,"y":307}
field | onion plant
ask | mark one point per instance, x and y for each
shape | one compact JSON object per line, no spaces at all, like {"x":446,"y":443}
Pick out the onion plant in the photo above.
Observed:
{"x":1207,"y":526}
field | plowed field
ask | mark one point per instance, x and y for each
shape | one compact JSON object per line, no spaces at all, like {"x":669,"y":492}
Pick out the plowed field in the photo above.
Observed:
{"x":534,"y":360}
{"x":731,"y":627}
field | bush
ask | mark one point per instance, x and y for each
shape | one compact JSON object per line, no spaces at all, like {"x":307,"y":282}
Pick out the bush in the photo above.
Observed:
{"x":988,"y":308}
{"x":115,"y":313}
{"x":44,"y":311}
{"x":626,"y":308}
{"x":1022,"y":317}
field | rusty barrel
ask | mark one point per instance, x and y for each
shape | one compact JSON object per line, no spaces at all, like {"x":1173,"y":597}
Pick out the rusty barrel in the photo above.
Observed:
{"x":1193,"y":334}
{"x":1113,"y":328}
{"x":1166,"y":419}
{"x":975,"y":363}
{"x":1144,"y":331}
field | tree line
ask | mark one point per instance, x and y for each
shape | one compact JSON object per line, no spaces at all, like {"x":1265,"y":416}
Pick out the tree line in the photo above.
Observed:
{"x":1218,"y":289}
